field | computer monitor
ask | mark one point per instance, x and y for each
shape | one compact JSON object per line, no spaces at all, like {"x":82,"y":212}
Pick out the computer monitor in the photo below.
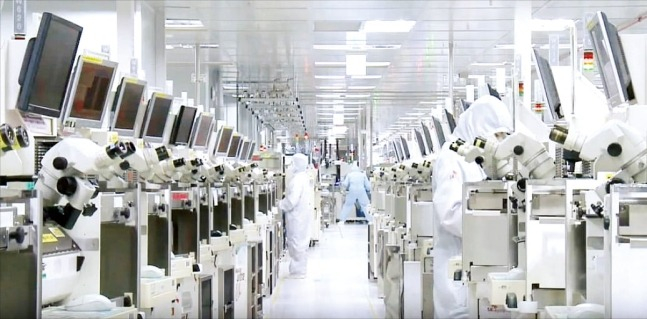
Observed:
{"x":405,"y":148}
{"x":183,"y":125}
{"x":493,"y":92}
{"x":545,"y":74}
{"x":85,"y":104}
{"x":157,"y":113}
{"x":611,"y":62}
{"x":440,"y":134}
{"x":202,"y":131}
{"x":236,"y":140}
{"x":428,"y":140}
{"x":420,"y":140}
{"x":451,"y":121}
{"x":223,"y":139}
{"x":126,"y":106}
{"x":465,"y":104}
{"x":243,"y":152}
{"x":252,"y":148}
{"x":47,"y":66}
{"x":396,"y":150}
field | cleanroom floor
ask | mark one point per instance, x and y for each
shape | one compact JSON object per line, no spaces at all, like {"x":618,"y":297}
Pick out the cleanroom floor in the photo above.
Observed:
{"x":337,"y":285}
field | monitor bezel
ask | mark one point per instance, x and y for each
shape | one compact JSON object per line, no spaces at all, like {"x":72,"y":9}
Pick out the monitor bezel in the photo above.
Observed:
{"x":426,"y":131}
{"x":74,"y":85}
{"x":545,"y":73}
{"x":231,"y":144}
{"x":177,"y":123}
{"x":30,"y":67}
{"x":240,"y":154}
{"x":147,"y":118}
{"x":420,"y":140}
{"x":451,"y":121}
{"x":251,"y":151}
{"x":626,"y":95}
{"x":438,"y":127}
{"x":219,"y":137}
{"x":394,"y":144}
{"x":118,"y":103}
{"x":405,"y":148}
{"x":196,"y":126}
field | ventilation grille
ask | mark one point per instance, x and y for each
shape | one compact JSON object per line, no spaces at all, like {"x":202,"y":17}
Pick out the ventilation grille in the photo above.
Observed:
{"x":559,"y":162}
{"x":587,"y":169}
{"x":42,"y":146}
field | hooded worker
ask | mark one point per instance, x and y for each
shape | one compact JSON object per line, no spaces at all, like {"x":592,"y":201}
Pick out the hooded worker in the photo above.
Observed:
{"x":357,"y":185}
{"x":487,"y":117}
{"x":298,"y":209}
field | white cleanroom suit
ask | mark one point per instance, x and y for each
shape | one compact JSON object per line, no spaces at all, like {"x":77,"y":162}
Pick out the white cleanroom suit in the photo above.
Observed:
{"x":485,"y":117}
{"x":357,"y":186}
{"x":298,"y":209}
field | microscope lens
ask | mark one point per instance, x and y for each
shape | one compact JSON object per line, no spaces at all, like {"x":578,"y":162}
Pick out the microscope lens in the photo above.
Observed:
{"x":6,"y":137}
{"x":162,"y":153}
{"x":22,"y":137}
{"x":480,"y":142}
{"x":558,"y":134}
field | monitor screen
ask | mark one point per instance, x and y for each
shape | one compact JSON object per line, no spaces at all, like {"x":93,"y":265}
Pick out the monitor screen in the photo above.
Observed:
{"x":202,"y":130}
{"x":428,"y":141}
{"x":545,"y":74}
{"x":493,"y":92}
{"x":398,"y":157}
{"x":450,"y":120}
{"x":234,"y":145}
{"x":224,"y":138}
{"x":183,"y":125}
{"x":252,"y":148}
{"x":439,"y":132}
{"x":421,"y":142}
{"x":127,"y":102}
{"x":610,"y":59}
{"x":466,"y":105}
{"x":405,"y":148}
{"x":47,"y":66}
{"x":90,"y":92}
{"x":158,"y":110}
{"x":244,"y":151}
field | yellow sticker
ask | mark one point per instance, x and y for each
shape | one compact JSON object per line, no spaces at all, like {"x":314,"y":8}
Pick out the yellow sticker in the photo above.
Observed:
{"x":609,"y":176}
{"x":57,"y":232}
{"x":140,"y":143}
{"x":130,"y":80}
{"x":49,"y":238}
{"x":113,"y":137}
{"x":162,"y":95}
{"x":92,"y":59}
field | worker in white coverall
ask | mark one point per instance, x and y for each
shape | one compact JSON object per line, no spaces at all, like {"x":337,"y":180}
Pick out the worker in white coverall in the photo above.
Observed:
{"x":358,"y":187}
{"x":487,"y":117}
{"x":298,"y":214}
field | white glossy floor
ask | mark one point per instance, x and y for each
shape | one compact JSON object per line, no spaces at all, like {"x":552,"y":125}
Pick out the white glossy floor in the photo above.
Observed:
{"x":337,"y":285}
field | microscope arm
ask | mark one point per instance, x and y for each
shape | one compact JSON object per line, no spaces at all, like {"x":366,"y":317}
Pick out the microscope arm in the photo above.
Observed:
{"x":529,"y":152}
{"x":612,"y":139}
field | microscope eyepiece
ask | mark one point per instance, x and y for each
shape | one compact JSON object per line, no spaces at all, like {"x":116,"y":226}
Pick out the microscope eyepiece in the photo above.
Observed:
{"x":66,"y":185}
{"x":162,"y":153}
{"x":178,"y":162}
{"x":59,"y":163}
{"x":22,"y":136}
{"x":7,"y":137}
{"x":480,"y":142}
{"x":115,"y":150}
{"x":130,"y":149}
{"x":558,"y":135}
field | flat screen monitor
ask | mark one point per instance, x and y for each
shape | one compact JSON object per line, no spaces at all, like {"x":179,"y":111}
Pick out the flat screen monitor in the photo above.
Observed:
{"x":611,"y":62}
{"x":545,"y":74}
{"x":157,"y":114}
{"x":400,"y":148}
{"x":465,"y":104}
{"x":405,"y":148}
{"x":126,"y":106}
{"x":181,"y":132}
{"x":451,"y":121}
{"x":47,"y":66}
{"x":202,"y":131}
{"x":420,"y":140}
{"x":223,"y":139}
{"x":428,"y":140}
{"x":236,"y":140}
{"x":86,"y":101}
{"x":244,"y":150}
{"x":440,"y":134}
{"x":493,"y":92}
{"x":398,"y":157}
{"x":252,"y":148}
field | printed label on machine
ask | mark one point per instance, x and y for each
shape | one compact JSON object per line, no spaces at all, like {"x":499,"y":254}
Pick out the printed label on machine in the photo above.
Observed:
{"x":49,"y":238}
{"x":56,"y":232}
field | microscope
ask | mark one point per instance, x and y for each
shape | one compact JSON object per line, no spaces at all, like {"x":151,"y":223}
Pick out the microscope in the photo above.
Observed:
{"x":482,"y":153}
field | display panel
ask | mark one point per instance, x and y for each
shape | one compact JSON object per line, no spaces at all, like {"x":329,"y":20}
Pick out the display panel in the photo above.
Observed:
{"x":236,"y":140}
{"x":47,"y":66}
{"x":126,"y":105}
{"x":466,"y":105}
{"x":405,"y":148}
{"x":252,"y":148}
{"x":183,"y":125}
{"x":396,"y":150}
{"x":157,"y":112}
{"x":202,"y":130}
{"x":420,"y":140}
{"x":223,"y":140}
{"x":428,"y":140}
{"x":611,"y":62}
{"x":451,"y":121}
{"x":86,"y":101}
{"x":439,"y":132}
{"x":545,"y":74}
{"x":244,"y":151}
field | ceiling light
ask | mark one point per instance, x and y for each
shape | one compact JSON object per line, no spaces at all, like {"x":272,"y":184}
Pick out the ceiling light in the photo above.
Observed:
{"x":330,"y":88}
{"x":337,"y":96}
{"x":338,"y":108}
{"x":490,"y":64}
{"x":183,"y":24}
{"x":209,"y":46}
{"x":356,"y":64}
{"x":233,"y":87}
{"x":366,"y":77}
{"x":340,"y":64}
{"x":360,"y":87}
{"x":388,"y":26}
{"x":551,"y":25}
{"x":355,"y":47}
{"x":344,"y":102}
{"x":431,"y":103}
{"x":338,"y":119}
{"x":330,"y":77}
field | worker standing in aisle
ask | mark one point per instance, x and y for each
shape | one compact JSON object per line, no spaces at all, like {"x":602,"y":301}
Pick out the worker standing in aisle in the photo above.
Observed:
{"x":487,"y":117}
{"x":357,"y":187}
{"x":298,"y":215}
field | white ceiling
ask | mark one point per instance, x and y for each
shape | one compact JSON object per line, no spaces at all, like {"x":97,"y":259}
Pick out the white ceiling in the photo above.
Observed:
{"x":264,"y":40}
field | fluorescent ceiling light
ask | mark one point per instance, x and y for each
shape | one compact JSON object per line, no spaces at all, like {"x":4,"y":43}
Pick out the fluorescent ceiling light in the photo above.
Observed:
{"x":388,"y":26}
{"x":233,"y":87}
{"x":337,"y":96}
{"x":544,"y":46}
{"x":338,"y":108}
{"x":490,"y":64}
{"x":431,"y":103}
{"x":342,"y":77}
{"x":355,"y":64}
{"x":340,"y":64}
{"x":191,"y":46}
{"x":344,"y":102}
{"x":338,"y":119}
{"x":551,"y":25}
{"x":366,"y":77}
{"x":360,"y":87}
{"x":330,"y":88}
{"x":355,"y":47}
{"x":183,"y":24}
{"x":330,"y":77}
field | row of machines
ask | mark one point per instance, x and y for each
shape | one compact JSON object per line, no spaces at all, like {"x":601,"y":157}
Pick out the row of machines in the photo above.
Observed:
{"x":115,"y":208}
{"x":558,"y":228}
